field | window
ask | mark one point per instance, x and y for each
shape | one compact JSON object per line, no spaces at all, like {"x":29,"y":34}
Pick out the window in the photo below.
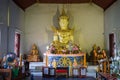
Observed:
{"x":0,"y":39}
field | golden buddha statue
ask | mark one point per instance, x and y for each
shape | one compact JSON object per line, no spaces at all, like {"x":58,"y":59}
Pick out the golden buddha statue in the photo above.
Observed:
{"x":100,"y":54}
{"x":34,"y":50}
{"x":62,"y":35}
{"x":34,"y":55}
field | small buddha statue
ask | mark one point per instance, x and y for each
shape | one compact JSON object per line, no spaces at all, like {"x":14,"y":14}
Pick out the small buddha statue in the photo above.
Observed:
{"x":104,"y":53}
{"x":70,"y":68}
{"x":34,"y":50}
{"x":34,"y":55}
{"x":100,"y":53}
{"x":93,"y":55}
{"x":94,"y":50}
{"x":75,"y":64}
{"x":54,"y":63}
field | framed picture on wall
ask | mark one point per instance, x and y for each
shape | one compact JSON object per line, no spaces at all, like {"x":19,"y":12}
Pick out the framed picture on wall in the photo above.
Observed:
{"x":45,"y":71}
{"x":52,"y":72}
{"x":75,"y":72}
{"x":83,"y":71}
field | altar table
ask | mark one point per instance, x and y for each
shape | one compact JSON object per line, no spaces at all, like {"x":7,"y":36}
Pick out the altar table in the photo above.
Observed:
{"x":63,"y":60}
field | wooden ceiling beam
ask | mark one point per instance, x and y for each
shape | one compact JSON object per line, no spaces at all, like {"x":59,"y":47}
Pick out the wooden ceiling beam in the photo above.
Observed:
{"x":104,"y":3}
{"x":26,"y":3}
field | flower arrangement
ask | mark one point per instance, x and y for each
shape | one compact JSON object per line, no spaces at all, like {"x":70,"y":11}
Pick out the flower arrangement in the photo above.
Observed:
{"x":52,"y":49}
{"x":75,"y":49}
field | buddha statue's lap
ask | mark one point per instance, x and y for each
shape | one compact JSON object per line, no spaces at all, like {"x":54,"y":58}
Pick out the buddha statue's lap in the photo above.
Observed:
{"x":65,"y":36}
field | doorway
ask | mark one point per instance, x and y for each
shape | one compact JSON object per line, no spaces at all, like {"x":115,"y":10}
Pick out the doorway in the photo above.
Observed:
{"x":17,"y":44}
{"x":112,"y":44}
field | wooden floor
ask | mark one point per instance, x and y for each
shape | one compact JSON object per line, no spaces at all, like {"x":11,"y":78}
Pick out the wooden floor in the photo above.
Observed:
{"x":91,"y":75}
{"x":59,"y":78}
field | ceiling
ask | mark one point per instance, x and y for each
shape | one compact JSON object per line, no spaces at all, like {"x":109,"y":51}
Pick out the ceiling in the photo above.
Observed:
{"x":27,"y":3}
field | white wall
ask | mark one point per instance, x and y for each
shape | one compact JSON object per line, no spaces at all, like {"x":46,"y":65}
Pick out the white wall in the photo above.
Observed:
{"x":3,"y":11}
{"x":4,"y":39}
{"x":87,"y":19}
{"x":16,"y":24}
{"x":16,"y":18}
{"x":3,"y":26}
{"x":112,"y":22}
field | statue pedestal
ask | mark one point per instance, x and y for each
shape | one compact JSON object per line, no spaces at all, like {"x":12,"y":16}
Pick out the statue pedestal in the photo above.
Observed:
{"x":33,"y":58}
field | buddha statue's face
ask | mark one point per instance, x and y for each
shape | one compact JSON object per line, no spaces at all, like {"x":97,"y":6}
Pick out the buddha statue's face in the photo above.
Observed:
{"x":34,"y":47}
{"x":63,"y":22}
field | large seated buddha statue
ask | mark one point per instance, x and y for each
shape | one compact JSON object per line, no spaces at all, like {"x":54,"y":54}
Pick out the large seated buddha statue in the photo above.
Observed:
{"x":62,"y":51}
{"x":34,"y":55}
{"x":63,"y":41}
